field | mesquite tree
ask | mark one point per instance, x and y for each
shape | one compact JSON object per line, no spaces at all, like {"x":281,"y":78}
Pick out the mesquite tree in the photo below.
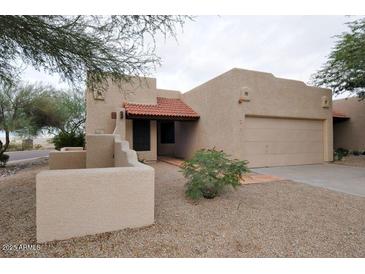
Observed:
{"x":344,"y":70}
{"x":106,"y":46}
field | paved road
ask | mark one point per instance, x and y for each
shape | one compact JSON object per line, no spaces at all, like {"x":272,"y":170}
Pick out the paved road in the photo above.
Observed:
{"x":22,"y":155}
{"x":347,"y":179}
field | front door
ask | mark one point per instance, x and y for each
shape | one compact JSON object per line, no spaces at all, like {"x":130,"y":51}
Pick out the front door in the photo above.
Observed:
{"x":141,"y":135}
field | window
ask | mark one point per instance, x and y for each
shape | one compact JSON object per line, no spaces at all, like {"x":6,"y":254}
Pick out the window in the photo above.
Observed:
{"x":141,"y":135}
{"x":167,"y":132}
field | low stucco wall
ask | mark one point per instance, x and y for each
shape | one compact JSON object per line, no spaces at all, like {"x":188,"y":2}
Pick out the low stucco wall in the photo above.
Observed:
{"x":71,"y":148}
{"x":100,"y":150}
{"x":80,"y":202}
{"x":67,"y":159}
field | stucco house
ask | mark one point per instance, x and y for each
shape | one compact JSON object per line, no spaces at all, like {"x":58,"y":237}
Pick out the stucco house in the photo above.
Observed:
{"x":349,"y":123}
{"x":251,"y":115}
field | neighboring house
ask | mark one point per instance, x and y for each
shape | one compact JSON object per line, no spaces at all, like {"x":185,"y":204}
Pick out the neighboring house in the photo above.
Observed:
{"x":250,"y":115}
{"x":349,"y":123}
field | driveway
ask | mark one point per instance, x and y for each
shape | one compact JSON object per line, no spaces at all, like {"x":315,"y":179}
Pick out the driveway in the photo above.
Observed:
{"x":347,"y":179}
{"x":28,"y":154}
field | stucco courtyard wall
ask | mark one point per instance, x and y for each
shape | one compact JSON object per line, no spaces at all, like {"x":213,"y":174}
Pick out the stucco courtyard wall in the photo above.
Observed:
{"x":80,"y":202}
{"x":67,"y":159}
{"x":350,"y":134}
{"x":100,"y":150}
{"x":222,"y":117}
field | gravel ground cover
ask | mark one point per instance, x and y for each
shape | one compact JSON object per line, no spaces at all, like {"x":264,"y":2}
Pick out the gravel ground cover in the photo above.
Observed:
{"x":12,"y":169}
{"x":275,"y":219}
{"x":352,"y":160}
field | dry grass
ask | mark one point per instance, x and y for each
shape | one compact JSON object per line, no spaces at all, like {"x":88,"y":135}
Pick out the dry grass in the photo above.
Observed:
{"x":279,"y":219}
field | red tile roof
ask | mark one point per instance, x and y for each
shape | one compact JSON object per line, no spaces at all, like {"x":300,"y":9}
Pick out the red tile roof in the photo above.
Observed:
{"x":338,"y":114}
{"x":166,"y":108}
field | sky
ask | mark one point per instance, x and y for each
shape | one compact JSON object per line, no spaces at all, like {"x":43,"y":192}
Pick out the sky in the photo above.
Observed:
{"x":292,"y":47}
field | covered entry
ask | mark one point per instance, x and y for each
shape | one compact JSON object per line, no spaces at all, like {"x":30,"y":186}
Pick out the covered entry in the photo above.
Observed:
{"x":151,"y":128}
{"x":272,"y":141}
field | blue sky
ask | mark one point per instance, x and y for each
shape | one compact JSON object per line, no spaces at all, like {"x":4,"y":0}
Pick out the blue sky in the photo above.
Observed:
{"x":290,"y":47}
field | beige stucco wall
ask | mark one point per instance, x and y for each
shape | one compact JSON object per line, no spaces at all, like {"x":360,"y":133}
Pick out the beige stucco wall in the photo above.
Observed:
{"x":222,"y":118}
{"x":168,"y":93}
{"x":100,"y":150}
{"x":80,"y":202}
{"x":67,"y":159}
{"x":143,"y":91}
{"x":98,"y":118}
{"x":350,"y":134}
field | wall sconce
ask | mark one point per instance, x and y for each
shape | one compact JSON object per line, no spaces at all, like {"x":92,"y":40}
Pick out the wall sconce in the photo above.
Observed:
{"x":244,"y":95}
{"x":325,"y":102}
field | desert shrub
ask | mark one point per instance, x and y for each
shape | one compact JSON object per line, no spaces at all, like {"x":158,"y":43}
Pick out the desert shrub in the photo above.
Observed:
{"x":339,"y":153}
{"x":38,"y":146}
{"x":3,"y":159}
{"x":210,"y":171}
{"x":343,"y":151}
{"x":356,"y":153}
{"x":68,"y":139}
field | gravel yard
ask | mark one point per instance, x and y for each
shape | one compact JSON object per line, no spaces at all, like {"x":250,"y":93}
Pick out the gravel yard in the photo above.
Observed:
{"x":352,"y":160}
{"x":12,"y":169}
{"x":276,"y":219}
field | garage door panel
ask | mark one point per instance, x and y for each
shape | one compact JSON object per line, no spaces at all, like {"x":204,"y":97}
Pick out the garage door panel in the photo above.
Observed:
{"x":279,"y":135}
{"x":282,"y":123}
{"x":253,"y":148}
{"x":277,"y":141}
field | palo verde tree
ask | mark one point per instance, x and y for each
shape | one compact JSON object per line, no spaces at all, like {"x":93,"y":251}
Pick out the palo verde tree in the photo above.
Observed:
{"x":344,"y":70}
{"x":107,"y":46}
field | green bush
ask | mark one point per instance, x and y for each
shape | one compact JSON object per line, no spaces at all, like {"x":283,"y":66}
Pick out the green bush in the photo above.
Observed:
{"x":68,"y":139}
{"x":339,"y":153}
{"x":210,"y":171}
{"x":3,"y":159}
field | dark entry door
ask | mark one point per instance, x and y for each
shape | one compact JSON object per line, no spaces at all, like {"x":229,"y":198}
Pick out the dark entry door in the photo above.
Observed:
{"x":141,"y":135}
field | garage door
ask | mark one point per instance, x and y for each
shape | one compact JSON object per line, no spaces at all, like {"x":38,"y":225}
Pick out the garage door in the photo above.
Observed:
{"x":277,"y":141}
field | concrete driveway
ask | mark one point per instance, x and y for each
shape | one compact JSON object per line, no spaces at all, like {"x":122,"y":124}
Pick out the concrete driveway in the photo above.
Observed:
{"x":347,"y":179}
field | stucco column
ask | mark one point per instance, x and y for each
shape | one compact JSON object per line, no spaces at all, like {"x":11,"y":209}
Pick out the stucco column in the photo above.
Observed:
{"x":120,"y":123}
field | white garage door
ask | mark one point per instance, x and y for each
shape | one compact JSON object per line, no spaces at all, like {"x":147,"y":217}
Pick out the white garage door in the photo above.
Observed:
{"x":279,"y":141}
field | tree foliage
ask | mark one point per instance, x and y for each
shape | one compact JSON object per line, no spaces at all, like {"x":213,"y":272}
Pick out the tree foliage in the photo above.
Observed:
{"x":20,"y":110}
{"x":344,"y":70}
{"x":108,"y":46}
{"x":71,"y":115}
{"x":209,"y":171}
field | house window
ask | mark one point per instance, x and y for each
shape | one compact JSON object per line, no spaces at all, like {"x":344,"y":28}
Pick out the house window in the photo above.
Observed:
{"x":141,"y":135}
{"x":167,"y":132}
